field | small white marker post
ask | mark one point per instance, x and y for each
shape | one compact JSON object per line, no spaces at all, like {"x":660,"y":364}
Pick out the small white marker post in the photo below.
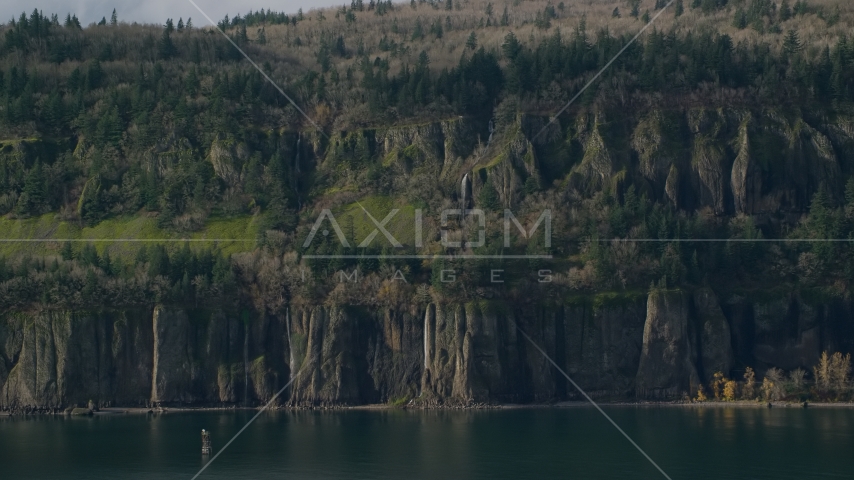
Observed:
{"x":206,"y":442}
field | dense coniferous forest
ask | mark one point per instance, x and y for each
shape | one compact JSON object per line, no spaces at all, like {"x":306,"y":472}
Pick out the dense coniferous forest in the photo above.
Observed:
{"x":116,"y":120}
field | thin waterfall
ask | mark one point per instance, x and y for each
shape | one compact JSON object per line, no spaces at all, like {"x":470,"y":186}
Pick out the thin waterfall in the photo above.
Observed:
{"x":296,"y":159}
{"x":465,"y":189}
{"x":297,"y":171}
{"x":246,"y":365}
{"x":491,"y":131}
{"x":290,"y":344}
{"x":504,"y":184}
{"x":427,"y":340}
{"x":466,"y":203}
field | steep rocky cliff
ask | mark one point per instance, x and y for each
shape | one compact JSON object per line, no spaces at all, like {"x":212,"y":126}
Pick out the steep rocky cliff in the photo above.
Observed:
{"x":614,"y":346}
{"x":668,"y":360}
{"x":58,"y":358}
{"x":728,"y":160}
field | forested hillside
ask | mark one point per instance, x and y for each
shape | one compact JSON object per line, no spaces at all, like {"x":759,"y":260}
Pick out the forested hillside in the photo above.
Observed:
{"x":170,"y":123}
{"x":725,"y":120}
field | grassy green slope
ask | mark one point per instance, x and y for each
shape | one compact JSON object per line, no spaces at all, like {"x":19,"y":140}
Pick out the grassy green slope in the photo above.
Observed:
{"x":121,"y":236}
{"x":401,"y":226}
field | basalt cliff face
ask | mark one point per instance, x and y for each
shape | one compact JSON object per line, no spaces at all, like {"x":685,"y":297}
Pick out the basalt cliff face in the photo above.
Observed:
{"x":658,"y":346}
{"x":728,"y":161}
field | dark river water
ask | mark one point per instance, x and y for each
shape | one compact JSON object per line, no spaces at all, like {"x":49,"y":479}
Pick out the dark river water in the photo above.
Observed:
{"x":575,"y":443}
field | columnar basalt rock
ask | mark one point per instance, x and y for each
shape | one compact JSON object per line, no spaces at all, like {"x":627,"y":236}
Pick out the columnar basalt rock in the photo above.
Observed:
{"x":667,"y":366}
{"x":716,"y":353}
{"x":603,"y":346}
{"x":172,"y":370}
{"x":328,"y":373}
{"x":614,"y":346}
{"x":53,"y":358}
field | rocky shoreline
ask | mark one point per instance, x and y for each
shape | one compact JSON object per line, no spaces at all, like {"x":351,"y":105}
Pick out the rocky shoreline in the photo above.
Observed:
{"x":82,"y":411}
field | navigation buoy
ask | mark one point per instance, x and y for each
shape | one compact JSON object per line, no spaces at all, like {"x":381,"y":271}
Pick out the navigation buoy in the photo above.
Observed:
{"x":206,"y":442}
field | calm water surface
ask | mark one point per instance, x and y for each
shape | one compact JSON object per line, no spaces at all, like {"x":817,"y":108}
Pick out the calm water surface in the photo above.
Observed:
{"x":577,"y":443}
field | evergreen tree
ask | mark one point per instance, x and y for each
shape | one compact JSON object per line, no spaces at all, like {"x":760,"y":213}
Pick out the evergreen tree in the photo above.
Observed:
{"x":511,"y":46}
{"x":35,"y":193}
{"x":141,"y":255}
{"x":679,"y":9}
{"x":471,"y":43}
{"x":616,"y":12}
{"x":89,"y":255}
{"x":165,"y":47}
{"x":279,"y":214}
{"x":90,"y":205}
{"x":785,"y":11}
{"x":740,"y":19}
{"x":849,"y":198}
{"x":423,"y":61}
{"x":242,"y":37}
{"x":437,"y":30}
{"x":71,"y":22}
{"x":109,"y":129}
{"x":196,"y":51}
{"x":54,"y":111}
{"x":67,"y":252}
{"x":418,"y":31}
{"x":158,"y":261}
{"x":532,"y":185}
{"x":340,"y":48}
{"x":488,"y":197}
{"x":821,"y":211}
{"x":106,"y":264}
{"x":323,"y":56}
{"x":94,"y":75}
{"x":114,"y":19}
{"x":833,"y":18}
{"x":792,"y":42}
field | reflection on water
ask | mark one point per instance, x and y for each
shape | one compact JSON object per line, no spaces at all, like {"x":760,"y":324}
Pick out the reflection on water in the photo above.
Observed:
{"x":697,"y":443}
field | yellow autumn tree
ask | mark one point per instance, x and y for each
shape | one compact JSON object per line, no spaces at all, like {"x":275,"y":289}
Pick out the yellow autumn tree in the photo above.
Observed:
{"x":832,"y":372}
{"x":748,"y":392}
{"x":840,"y":369}
{"x":701,"y":394}
{"x":730,"y":389}
{"x":718,"y":381}
{"x":822,"y":373}
{"x":767,"y":388}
